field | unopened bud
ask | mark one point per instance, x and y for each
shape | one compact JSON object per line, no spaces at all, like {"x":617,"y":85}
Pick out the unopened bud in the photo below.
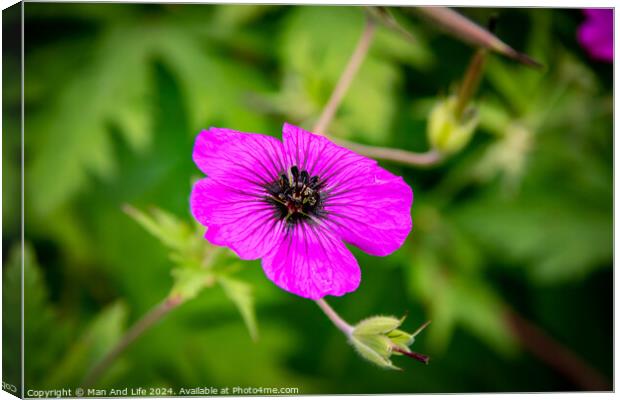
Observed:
{"x":378,"y":338}
{"x":448,"y":132}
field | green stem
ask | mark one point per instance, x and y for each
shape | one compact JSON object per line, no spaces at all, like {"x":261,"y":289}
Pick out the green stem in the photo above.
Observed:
{"x":346,"y":78}
{"x":397,"y":155}
{"x":337,"y":320}
{"x":147,"y":321}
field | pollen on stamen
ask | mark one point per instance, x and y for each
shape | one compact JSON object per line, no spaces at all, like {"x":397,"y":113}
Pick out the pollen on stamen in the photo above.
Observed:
{"x":296,"y":196}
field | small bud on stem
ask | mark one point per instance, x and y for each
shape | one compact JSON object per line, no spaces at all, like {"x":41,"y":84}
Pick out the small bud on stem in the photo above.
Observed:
{"x":453,"y":120}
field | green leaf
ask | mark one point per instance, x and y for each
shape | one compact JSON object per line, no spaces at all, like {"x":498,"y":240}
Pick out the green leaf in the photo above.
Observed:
{"x":459,"y":297}
{"x":427,"y":283}
{"x":170,"y":230}
{"x":11,"y":317}
{"x":189,"y":249}
{"x":228,"y":18}
{"x":11,"y":173}
{"x":44,"y":329}
{"x":195,"y":68}
{"x":267,"y":364}
{"x":46,"y":332}
{"x":481,"y":311}
{"x":189,"y":282}
{"x":555,"y":238}
{"x":241,"y":294}
{"x":111,"y":89}
{"x":98,"y":338}
{"x":403,"y":42}
{"x":37,"y":330}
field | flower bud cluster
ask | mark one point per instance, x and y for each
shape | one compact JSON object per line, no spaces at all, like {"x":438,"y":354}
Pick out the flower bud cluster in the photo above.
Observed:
{"x":378,"y":338}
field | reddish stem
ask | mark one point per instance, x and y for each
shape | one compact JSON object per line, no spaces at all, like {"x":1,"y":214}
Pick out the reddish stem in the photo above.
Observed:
{"x":423,"y":358}
{"x":552,"y":353}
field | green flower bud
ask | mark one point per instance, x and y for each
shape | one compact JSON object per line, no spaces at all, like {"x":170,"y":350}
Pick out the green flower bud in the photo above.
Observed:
{"x":377,"y":338}
{"x":374,"y":348}
{"x":447,"y":131}
{"x":402,"y":339}
{"x":377,"y":324}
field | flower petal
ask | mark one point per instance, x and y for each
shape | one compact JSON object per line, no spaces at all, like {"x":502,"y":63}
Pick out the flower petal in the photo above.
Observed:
{"x":243,"y":160}
{"x":319,"y":155}
{"x":372,"y":211}
{"x":311,"y":262}
{"x":367,"y":206}
{"x":241,"y":221}
{"x":601,"y":14}
{"x":596,"y":33}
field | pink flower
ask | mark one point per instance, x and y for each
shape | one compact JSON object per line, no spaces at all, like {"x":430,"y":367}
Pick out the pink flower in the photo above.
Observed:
{"x":293,"y":203}
{"x":596,"y":34}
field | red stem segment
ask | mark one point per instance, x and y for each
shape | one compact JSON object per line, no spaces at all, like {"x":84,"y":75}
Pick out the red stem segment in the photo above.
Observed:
{"x":423,"y":358}
{"x":552,"y":353}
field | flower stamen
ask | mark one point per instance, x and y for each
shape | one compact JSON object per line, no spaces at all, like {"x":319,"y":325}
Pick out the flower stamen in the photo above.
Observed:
{"x":296,"y":196}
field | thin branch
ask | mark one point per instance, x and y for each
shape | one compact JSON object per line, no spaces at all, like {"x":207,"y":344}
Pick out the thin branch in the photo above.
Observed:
{"x":383,"y":153}
{"x":470,"y":83}
{"x":340,"y":323}
{"x":148,"y":320}
{"x":346,"y":78}
{"x":554,"y":354}
{"x":426,"y":159}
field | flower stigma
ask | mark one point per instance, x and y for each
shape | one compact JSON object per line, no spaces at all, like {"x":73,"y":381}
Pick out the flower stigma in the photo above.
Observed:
{"x":296,"y":196}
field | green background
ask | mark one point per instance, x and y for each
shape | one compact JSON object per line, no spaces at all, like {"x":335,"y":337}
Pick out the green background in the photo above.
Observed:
{"x":522,"y":217}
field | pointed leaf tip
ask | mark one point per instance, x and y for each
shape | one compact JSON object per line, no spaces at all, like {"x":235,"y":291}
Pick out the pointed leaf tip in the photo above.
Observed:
{"x":527,"y":60}
{"x":240,"y":292}
{"x":383,"y":16}
{"x":468,"y":31}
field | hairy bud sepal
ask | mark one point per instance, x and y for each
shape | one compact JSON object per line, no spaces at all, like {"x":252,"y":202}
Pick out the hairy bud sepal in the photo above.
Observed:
{"x":377,"y":338}
{"x":448,"y":130}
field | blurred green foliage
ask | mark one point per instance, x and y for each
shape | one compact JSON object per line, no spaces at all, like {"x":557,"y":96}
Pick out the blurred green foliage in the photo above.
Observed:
{"x":114,"y":96}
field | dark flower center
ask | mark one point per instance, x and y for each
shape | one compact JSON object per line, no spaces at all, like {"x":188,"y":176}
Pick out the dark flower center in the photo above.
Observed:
{"x":296,"y":196}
